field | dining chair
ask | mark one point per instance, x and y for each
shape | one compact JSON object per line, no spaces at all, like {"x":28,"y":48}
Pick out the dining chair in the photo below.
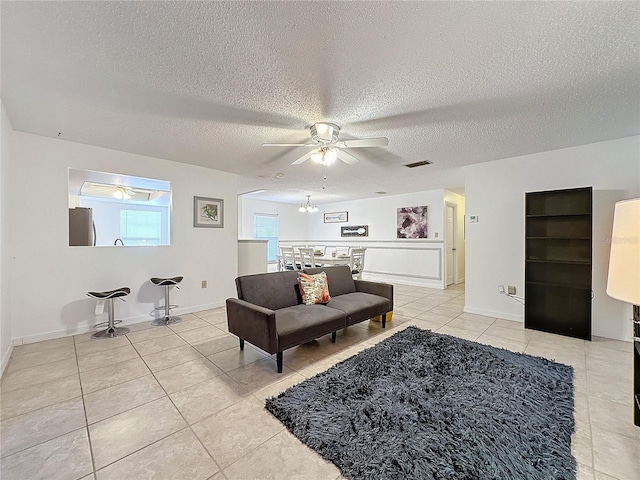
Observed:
{"x":289,"y":258}
{"x":356,"y":262}
{"x":307,"y":258}
{"x":281,"y":266}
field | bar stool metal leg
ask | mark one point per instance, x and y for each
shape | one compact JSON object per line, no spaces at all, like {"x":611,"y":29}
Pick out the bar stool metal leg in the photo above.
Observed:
{"x":168,"y":319}
{"x":111,"y":330}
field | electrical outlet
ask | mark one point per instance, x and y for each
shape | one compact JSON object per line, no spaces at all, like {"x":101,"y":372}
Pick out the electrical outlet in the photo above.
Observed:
{"x":511,"y":290}
{"x":501,"y":288}
{"x":204,"y":284}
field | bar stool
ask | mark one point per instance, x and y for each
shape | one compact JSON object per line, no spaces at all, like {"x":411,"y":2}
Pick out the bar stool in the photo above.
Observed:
{"x":111,"y":330}
{"x":167,"y":283}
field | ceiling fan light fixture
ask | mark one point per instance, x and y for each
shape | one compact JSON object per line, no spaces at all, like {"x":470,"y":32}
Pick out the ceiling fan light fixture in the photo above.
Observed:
{"x":330,"y":156}
{"x":324,"y":156}
{"x":317,"y":156}
{"x":121,"y":194}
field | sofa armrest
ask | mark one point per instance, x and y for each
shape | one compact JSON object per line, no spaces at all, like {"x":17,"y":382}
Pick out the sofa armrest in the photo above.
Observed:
{"x":376,"y":288}
{"x":253,"y":323}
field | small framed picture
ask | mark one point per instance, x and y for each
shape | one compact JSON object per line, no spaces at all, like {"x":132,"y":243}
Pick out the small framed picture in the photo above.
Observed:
{"x":208,"y":212}
{"x":336,"y":217}
{"x":355,"y":231}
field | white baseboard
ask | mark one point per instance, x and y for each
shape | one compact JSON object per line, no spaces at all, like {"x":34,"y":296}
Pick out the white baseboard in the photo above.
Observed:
{"x":402,"y":280}
{"x":88,"y":328}
{"x":5,"y":359}
{"x":495,"y":314}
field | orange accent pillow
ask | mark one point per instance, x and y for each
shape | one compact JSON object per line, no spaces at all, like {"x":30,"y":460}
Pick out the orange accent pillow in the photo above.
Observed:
{"x":314,"y":288}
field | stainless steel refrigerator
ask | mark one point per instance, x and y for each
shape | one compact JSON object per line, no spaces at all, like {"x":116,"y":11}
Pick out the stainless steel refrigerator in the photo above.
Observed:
{"x":82,"y":230}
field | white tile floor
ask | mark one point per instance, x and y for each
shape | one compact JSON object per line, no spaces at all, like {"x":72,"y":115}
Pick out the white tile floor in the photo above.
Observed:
{"x":182,"y":402}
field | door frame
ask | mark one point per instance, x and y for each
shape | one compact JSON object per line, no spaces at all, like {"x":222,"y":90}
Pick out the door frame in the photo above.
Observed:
{"x":454,"y":242}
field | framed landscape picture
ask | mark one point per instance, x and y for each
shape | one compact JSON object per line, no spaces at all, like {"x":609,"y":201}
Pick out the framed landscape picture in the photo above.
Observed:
{"x":208,"y":212}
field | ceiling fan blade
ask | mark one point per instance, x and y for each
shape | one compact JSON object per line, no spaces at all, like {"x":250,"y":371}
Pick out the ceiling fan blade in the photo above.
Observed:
{"x":346,"y":157}
{"x":289,"y":145}
{"x":303,"y":158}
{"x":364,"y":142}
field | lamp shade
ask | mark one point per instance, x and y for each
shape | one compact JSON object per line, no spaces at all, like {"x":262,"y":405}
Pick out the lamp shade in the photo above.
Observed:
{"x":623,"y":282}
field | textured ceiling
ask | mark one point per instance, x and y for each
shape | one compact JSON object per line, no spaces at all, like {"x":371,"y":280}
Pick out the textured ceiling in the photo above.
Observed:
{"x":207,"y":83}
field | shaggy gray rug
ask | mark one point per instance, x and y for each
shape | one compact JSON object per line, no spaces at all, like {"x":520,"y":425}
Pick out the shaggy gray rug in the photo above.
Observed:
{"x":421,"y":405}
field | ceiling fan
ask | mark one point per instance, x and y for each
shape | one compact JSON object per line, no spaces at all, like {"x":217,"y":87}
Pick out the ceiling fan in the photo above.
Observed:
{"x":324,"y":137}
{"x":120,"y":192}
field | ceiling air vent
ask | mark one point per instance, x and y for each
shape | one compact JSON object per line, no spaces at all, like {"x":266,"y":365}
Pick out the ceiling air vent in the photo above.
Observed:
{"x":418,"y":164}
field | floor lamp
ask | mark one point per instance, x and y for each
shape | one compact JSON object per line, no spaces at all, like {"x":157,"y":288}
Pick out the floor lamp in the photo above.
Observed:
{"x":623,"y":282}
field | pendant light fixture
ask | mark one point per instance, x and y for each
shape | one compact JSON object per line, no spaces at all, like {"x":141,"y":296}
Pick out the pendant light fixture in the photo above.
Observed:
{"x":307,"y":207}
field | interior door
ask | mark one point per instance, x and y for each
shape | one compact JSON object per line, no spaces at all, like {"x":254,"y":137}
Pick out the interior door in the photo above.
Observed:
{"x":450,"y":244}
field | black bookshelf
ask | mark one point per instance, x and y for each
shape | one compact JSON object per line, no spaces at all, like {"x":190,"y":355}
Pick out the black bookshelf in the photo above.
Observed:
{"x":558,"y":247}
{"x":636,"y":365}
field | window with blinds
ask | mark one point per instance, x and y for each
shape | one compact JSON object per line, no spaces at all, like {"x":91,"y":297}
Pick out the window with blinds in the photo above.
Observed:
{"x":265,"y":227}
{"x":140,"y":227}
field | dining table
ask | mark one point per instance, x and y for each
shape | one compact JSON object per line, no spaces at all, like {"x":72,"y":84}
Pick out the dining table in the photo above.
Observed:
{"x":331,"y":260}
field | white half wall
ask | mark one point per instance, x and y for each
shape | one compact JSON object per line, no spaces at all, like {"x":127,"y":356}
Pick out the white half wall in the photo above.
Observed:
{"x":5,"y":254}
{"x":49,"y":279}
{"x":495,"y":192}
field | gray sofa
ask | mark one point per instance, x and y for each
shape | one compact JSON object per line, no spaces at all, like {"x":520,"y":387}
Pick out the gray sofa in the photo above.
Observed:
{"x":269,"y":312}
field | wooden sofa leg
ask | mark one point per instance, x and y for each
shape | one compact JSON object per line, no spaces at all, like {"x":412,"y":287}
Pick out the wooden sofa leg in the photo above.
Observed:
{"x":384,"y":320}
{"x":279,"y":361}
{"x":241,"y":344}
{"x":333,"y":337}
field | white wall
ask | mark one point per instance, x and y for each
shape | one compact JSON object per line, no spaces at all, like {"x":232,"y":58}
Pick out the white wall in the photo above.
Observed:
{"x":410,"y":261}
{"x":49,"y":279}
{"x":292,"y":224}
{"x":5,"y":255}
{"x":380,"y":215}
{"x":418,"y":261}
{"x":495,"y":191}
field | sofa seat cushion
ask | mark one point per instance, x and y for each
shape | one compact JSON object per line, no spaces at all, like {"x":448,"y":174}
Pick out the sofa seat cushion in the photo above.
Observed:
{"x":303,"y":323}
{"x":359,"y":306}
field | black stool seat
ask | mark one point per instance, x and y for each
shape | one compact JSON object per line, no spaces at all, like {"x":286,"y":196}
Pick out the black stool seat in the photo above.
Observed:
{"x":166,"y":281}
{"x":109,"y":295}
{"x":119,"y":292}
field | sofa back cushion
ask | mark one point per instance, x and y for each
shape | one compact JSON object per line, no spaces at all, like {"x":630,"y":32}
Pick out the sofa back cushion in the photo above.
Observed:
{"x":339,"y":279}
{"x":270,"y":290}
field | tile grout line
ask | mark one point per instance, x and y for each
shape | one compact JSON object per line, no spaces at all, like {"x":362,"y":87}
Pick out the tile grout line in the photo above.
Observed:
{"x":84,"y":408}
{"x":188,"y":425}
